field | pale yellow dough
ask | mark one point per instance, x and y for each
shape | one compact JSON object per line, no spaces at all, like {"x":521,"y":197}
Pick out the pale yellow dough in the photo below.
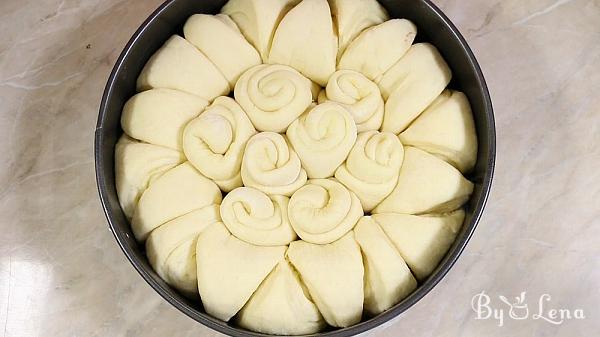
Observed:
{"x":447,"y":130}
{"x":214,"y":142}
{"x":137,"y":165}
{"x":175,"y":193}
{"x":353,"y":16}
{"x":171,"y":248}
{"x":273,"y":96}
{"x":323,"y":137}
{"x":158,"y":116}
{"x":281,"y":306}
{"x":372,"y":167}
{"x":359,"y":95}
{"x":271,"y":165}
{"x":411,"y":85}
{"x":421,"y":240}
{"x":323,"y":210}
{"x":305,"y":40}
{"x":387,"y":277}
{"x":257,"y":218}
{"x":378,"y":48}
{"x":333,"y":274}
{"x":218,"y":37}
{"x":258,"y":19}
{"x":426,"y":184}
{"x":230,"y":270}
{"x":181,"y":66}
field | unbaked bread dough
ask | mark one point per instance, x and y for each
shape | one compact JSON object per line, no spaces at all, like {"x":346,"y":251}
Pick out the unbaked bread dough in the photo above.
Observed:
{"x":305,"y":40}
{"x":421,"y":240}
{"x":179,"y":65}
{"x":426,"y":184}
{"x":257,"y":218}
{"x":218,"y":37}
{"x":158,"y":116}
{"x":214,"y":142}
{"x":323,"y":211}
{"x":447,"y":130}
{"x":372,"y":167}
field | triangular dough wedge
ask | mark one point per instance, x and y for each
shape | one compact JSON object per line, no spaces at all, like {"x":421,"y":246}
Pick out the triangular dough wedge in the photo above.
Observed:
{"x":171,"y":248}
{"x":378,"y":48}
{"x":426,"y":184}
{"x":281,"y":306}
{"x":218,"y":37}
{"x":387,"y":277}
{"x":333,"y":274}
{"x":421,"y":240}
{"x":179,"y":65}
{"x":411,"y":85}
{"x":258,"y":19}
{"x":158,"y":116}
{"x":230,"y":270}
{"x":305,"y":40}
{"x":447,"y":130}
{"x":353,"y":16}
{"x":136,"y":166}
{"x":177,"y":192}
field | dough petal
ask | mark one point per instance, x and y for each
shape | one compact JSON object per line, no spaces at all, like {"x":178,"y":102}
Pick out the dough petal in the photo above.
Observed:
{"x":136,"y":166}
{"x":359,"y":95}
{"x":426,"y":184}
{"x":378,"y":48}
{"x":323,"y":211}
{"x":387,"y":277}
{"x":171,"y":248}
{"x":306,"y":41}
{"x":281,"y":306}
{"x":158,"y":116}
{"x":257,"y":218}
{"x":214,"y":142}
{"x":372,"y":168}
{"x":354,"y":16}
{"x":258,"y":19}
{"x":411,"y":85}
{"x":179,"y":65}
{"x":273,"y":96}
{"x":230,"y":270}
{"x":421,"y":240}
{"x":323,"y":137}
{"x":333,"y":274}
{"x":175,"y":193}
{"x":222,"y":42}
{"x":447,"y":130}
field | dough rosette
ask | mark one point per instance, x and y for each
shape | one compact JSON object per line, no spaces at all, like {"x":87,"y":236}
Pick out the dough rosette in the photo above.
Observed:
{"x":271,"y":165}
{"x":323,"y":137}
{"x":372,"y":168}
{"x":214,"y":142}
{"x":323,"y":211}
{"x":359,"y":95}
{"x":257,"y":218}
{"x":273,"y":96}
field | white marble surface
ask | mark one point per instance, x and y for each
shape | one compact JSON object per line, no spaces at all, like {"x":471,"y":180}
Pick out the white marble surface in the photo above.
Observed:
{"x":62,"y":274}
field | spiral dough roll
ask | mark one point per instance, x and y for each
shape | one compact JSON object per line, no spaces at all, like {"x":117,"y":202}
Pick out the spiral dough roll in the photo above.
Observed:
{"x":372,"y":168}
{"x":214,"y":142}
{"x":257,"y":218}
{"x":273,"y":96}
{"x":271,"y":165}
{"x":323,"y":211}
{"x":323,"y":136}
{"x":359,"y":95}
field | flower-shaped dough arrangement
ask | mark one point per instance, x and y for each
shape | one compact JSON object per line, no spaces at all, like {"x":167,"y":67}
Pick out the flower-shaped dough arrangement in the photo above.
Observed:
{"x":322,"y":189}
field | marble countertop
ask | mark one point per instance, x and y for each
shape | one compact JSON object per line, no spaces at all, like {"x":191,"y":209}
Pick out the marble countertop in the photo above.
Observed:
{"x":62,"y":273}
